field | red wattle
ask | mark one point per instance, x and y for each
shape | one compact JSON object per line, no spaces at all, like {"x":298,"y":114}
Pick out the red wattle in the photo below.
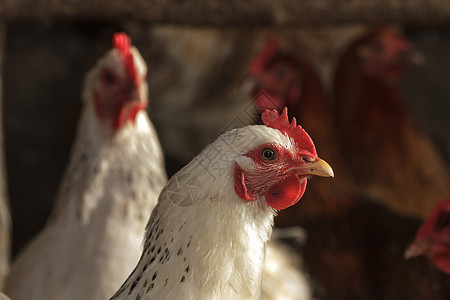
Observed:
{"x":239,"y":185}
{"x":286,"y":193}
{"x":135,"y":109}
{"x":127,"y":113}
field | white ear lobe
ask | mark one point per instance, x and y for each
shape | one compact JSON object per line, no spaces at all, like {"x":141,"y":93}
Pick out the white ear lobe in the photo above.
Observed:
{"x":245,"y":163}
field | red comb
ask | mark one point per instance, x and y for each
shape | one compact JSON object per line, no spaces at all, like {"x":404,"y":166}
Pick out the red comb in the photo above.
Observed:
{"x":430,"y":225}
{"x":122,"y":42}
{"x":272,"y":119}
{"x":264,"y":56}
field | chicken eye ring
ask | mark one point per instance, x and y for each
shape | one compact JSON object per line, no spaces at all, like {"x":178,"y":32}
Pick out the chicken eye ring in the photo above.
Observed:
{"x":268,"y":154}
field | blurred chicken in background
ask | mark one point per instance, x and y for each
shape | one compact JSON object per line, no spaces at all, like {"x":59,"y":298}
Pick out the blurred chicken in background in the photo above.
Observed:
{"x":345,"y":236}
{"x":392,"y":160}
{"x":291,"y":82}
{"x":93,"y":238}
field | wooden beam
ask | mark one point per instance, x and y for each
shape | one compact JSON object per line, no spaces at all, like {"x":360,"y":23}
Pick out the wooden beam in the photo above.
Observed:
{"x":281,"y":13}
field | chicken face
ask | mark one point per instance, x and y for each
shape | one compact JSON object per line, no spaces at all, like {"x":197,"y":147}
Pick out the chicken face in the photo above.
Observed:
{"x":385,"y":55}
{"x":120,"y":88}
{"x":278,"y":74}
{"x":279,"y":172}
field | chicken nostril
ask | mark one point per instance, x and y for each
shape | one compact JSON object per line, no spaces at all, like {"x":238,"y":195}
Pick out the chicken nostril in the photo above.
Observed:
{"x":308,"y":159}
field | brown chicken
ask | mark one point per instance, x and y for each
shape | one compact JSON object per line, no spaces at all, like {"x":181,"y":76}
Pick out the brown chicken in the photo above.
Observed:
{"x":392,"y":159}
{"x":354,"y":246}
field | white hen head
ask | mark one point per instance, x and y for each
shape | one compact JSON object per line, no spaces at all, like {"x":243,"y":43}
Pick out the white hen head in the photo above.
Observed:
{"x":117,"y":86}
{"x":268,"y":163}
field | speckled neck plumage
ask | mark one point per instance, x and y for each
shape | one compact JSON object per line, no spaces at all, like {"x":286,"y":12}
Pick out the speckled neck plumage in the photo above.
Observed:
{"x":180,"y":261}
{"x":202,"y":240}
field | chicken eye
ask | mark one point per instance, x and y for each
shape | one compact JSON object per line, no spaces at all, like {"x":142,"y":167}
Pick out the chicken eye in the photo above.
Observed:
{"x":268,"y":154}
{"x":108,"y":77}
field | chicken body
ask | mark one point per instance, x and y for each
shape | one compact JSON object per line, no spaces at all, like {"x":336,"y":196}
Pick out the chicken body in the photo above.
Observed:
{"x":94,"y":236}
{"x":379,"y":139}
{"x":206,"y":237}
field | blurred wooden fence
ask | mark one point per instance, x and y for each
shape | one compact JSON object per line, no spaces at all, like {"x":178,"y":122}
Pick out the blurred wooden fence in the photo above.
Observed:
{"x":234,"y":12}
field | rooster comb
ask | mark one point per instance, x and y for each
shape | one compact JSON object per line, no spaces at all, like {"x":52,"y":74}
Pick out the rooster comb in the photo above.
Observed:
{"x":122,"y":42}
{"x":272,"y":119}
{"x":269,"y":50}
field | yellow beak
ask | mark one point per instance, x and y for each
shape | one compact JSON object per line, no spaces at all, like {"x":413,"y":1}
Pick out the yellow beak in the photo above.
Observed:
{"x":319,"y":167}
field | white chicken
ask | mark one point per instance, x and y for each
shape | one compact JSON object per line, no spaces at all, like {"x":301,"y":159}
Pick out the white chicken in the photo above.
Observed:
{"x":206,"y":237}
{"x":94,"y":235}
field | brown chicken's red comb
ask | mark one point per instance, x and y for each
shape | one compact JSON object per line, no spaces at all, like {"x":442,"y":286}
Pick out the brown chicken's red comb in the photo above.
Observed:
{"x":122,"y":42}
{"x":272,"y":119}
{"x":263,"y":57}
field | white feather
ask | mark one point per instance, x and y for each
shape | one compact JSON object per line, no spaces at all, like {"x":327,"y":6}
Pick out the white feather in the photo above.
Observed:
{"x":282,"y":279}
